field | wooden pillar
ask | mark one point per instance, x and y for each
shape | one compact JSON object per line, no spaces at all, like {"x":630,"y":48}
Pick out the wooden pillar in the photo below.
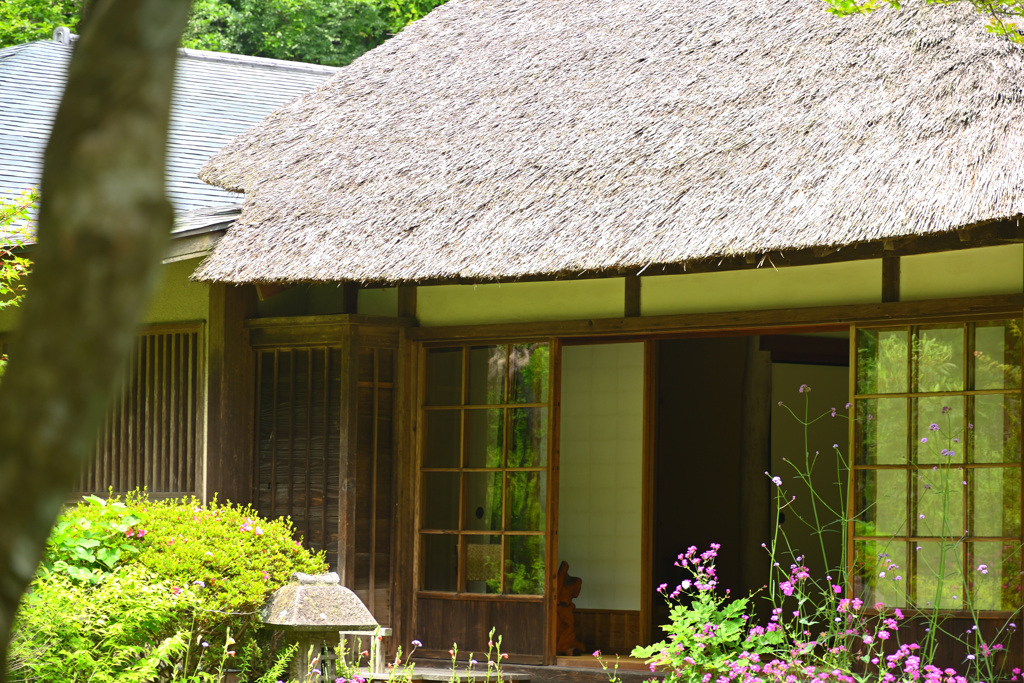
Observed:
{"x":347,"y":469}
{"x":890,"y":278}
{"x":632,"y":303}
{"x":755,"y":460}
{"x":228,"y":464}
{"x":404,"y":565}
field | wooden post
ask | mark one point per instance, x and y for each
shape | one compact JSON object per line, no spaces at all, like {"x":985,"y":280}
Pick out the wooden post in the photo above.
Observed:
{"x":890,"y":278}
{"x":228,"y":466}
{"x":404,"y":563}
{"x":347,"y":469}
{"x":632,"y":303}
{"x":755,"y":460}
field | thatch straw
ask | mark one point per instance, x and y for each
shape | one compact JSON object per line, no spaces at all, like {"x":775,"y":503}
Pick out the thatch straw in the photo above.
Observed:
{"x":496,"y":140}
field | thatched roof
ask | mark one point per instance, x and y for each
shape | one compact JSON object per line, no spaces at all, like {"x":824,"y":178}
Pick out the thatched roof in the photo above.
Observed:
{"x":526,"y":138}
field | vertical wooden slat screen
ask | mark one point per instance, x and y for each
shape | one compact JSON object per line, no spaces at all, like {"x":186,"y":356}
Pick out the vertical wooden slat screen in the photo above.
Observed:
{"x":297,"y":429}
{"x":149,"y":437}
{"x":299,"y":452}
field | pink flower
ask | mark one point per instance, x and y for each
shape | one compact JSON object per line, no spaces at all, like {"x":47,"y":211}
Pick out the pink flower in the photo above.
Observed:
{"x":258,"y":531}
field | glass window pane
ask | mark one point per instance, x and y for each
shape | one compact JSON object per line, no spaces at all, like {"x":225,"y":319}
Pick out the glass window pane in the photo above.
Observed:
{"x":444,"y":438}
{"x":483,"y":564}
{"x":440,"y":562}
{"x":481,"y":498}
{"x":524,"y":565}
{"x":881,"y":502}
{"x":938,"y":578}
{"x":526,"y":499}
{"x":444,"y":377}
{"x":940,"y":420}
{"x":995,"y":501}
{"x":486,"y":375}
{"x":882,"y":361}
{"x":528,"y":437}
{"x":995,"y":429}
{"x":440,"y":500}
{"x":939,"y":357}
{"x":882,"y":431}
{"x":529,"y":369}
{"x":879,"y":568}
{"x":940,"y":503}
{"x":994,"y":576}
{"x":996,"y":356}
{"x":484,"y":436}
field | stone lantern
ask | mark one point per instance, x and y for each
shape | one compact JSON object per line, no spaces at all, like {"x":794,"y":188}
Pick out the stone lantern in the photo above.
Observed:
{"x":314,"y":611}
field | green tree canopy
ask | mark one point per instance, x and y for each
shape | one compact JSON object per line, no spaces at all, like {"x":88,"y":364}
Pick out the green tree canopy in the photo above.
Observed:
{"x":332,"y":32}
{"x":1002,"y":14}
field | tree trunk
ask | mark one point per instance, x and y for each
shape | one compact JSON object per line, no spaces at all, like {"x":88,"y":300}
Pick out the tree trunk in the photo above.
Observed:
{"x":103,"y":222}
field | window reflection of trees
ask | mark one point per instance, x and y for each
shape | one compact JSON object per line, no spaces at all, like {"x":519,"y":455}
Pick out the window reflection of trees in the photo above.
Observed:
{"x":912,"y":507}
{"x":500,"y":411}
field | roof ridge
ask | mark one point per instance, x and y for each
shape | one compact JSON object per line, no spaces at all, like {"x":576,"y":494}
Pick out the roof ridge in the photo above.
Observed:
{"x":67,"y":39}
{"x":209,"y":55}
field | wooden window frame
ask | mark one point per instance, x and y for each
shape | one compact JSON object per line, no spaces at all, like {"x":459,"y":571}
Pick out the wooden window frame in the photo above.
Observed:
{"x":121,"y":434}
{"x":966,"y":394}
{"x":549,"y":470}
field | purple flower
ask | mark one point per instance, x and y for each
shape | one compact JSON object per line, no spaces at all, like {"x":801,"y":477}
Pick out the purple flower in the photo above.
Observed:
{"x":934,"y":427}
{"x":924,"y":439}
{"x":803,"y":388}
{"x":777,"y":481}
{"x":945,"y":409}
{"x":983,"y":568}
{"x":417,"y":643}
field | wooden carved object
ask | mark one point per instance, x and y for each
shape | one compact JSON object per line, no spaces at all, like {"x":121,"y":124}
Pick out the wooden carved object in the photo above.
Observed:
{"x":568,"y":588}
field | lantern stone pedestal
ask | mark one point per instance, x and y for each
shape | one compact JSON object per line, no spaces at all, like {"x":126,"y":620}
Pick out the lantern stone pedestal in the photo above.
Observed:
{"x":312,"y":611}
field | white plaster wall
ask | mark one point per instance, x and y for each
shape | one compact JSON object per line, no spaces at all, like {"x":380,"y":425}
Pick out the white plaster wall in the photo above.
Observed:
{"x":969,"y":272}
{"x":600,"y":481}
{"x":830,"y":284}
{"x":520,"y":302}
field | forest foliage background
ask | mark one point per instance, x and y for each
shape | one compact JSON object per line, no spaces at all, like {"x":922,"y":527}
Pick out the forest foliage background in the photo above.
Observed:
{"x":331,"y":32}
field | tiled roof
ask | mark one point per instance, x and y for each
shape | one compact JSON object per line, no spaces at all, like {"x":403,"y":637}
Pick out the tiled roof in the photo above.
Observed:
{"x":217,"y":96}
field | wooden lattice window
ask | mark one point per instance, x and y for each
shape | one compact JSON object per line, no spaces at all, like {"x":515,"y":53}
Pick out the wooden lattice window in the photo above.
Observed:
{"x":298,"y":429}
{"x":151,"y":436}
{"x":937,"y":468}
{"x":335,"y":482}
{"x":484,"y":469}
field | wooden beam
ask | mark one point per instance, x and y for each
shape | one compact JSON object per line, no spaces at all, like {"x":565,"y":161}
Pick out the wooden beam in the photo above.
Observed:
{"x":890,"y":278}
{"x":632,"y":306}
{"x":732,"y":322}
{"x":1010,"y":231}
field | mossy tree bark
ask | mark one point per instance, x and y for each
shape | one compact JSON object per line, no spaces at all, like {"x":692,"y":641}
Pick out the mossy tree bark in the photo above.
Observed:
{"x":103,"y":222}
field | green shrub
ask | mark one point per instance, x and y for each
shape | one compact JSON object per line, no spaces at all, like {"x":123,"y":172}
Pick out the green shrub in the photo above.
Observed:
{"x":135,"y":586}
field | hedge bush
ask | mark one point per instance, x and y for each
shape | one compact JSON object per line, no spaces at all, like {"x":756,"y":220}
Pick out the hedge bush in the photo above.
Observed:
{"x":132,"y":588}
